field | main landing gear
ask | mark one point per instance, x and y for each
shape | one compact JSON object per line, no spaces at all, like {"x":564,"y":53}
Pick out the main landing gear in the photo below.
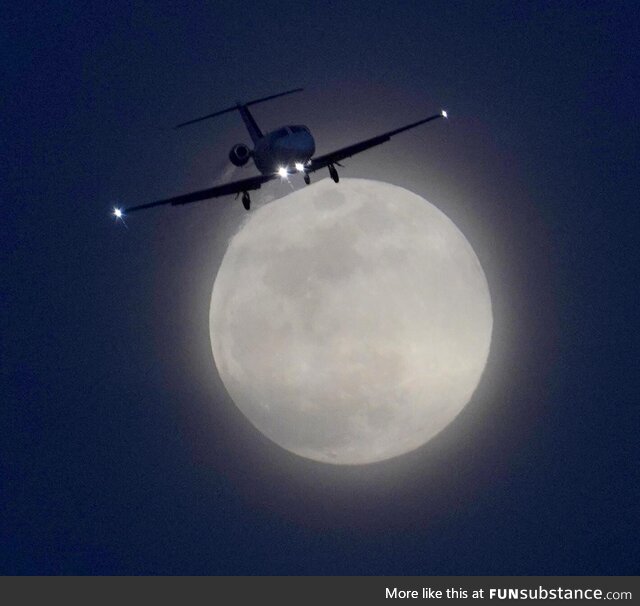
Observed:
{"x":334,"y":173}
{"x":246,"y":200}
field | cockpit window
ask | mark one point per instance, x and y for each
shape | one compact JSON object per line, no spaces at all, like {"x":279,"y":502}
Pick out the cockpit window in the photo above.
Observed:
{"x":298,"y":129}
{"x":283,"y":132}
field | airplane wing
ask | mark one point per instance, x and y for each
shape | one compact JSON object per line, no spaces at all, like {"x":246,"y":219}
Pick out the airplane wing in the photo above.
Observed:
{"x":235,"y":187}
{"x":346,"y":152}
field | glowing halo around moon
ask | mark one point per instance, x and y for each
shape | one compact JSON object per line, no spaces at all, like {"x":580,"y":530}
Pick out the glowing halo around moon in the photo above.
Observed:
{"x":350,"y":323}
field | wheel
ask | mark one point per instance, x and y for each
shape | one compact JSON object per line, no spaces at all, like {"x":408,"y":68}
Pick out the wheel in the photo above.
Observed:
{"x":307,"y":178}
{"x":246,"y":201}
{"x":334,"y":173}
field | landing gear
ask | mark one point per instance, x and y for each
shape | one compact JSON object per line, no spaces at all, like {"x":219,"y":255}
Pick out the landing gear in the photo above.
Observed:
{"x":334,"y":173}
{"x":246,"y":200}
{"x":307,"y":178}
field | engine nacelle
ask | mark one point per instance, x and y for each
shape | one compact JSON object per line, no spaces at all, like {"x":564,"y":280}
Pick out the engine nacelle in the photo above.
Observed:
{"x":239,"y":154}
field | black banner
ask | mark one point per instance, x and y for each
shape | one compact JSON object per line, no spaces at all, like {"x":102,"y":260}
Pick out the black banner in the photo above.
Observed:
{"x":320,"y":590}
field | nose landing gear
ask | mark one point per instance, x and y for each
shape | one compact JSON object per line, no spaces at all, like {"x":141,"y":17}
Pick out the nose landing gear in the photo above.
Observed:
{"x":307,"y":178}
{"x":334,"y":173}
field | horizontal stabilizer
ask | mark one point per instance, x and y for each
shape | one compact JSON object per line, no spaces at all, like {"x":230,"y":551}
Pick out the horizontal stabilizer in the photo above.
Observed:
{"x":238,"y":107}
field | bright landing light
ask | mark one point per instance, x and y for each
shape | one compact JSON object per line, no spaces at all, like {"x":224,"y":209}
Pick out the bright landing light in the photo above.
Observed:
{"x":444,"y":114}
{"x":283,"y":172}
{"x":117,"y":213}
{"x":299,"y":166}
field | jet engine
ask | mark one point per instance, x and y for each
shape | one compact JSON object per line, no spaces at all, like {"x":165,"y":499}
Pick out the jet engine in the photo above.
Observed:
{"x":239,"y":154}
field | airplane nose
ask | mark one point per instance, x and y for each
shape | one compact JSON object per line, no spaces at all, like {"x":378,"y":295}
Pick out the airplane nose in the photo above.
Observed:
{"x":310,"y":145}
{"x":297,"y":148}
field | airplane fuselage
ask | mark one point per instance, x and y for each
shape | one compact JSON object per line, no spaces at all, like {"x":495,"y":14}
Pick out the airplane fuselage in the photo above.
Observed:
{"x":283,"y":147}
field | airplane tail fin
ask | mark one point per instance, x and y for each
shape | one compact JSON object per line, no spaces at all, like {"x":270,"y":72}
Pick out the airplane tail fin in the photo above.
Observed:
{"x":254,"y":130}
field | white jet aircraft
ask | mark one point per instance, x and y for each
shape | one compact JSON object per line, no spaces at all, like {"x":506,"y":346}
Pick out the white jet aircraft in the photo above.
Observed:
{"x":278,"y":153}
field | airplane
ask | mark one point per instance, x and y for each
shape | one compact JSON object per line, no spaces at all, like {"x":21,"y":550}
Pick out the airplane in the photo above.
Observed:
{"x":278,"y":153}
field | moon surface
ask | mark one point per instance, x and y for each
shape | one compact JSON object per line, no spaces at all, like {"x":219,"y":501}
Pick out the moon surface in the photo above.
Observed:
{"x":350,"y":323}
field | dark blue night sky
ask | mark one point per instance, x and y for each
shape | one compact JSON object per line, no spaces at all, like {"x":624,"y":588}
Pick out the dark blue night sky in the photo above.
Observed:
{"x":120,"y":451}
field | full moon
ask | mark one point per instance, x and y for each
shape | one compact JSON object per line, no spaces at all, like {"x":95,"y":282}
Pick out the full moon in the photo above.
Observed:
{"x":350,"y":323}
